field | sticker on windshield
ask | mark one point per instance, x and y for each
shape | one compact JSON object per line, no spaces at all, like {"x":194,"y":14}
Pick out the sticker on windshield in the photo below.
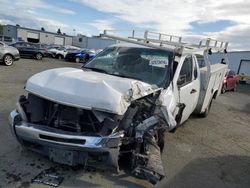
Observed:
{"x":159,"y":63}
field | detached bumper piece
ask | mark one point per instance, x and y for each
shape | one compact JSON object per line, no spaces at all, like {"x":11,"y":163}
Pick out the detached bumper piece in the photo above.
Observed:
{"x":149,"y":166}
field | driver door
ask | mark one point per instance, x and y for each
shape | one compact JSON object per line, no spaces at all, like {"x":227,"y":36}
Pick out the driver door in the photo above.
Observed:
{"x":188,"y":86}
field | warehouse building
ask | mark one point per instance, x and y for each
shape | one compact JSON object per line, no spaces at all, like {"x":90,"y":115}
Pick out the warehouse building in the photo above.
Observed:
{"x":239,"y":62}
{"x":36,"y":36}
{"x":95,"y":42}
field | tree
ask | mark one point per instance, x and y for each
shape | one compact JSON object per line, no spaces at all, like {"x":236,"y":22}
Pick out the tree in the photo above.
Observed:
{"x":42,"y":28}
{"x":59,"y":31}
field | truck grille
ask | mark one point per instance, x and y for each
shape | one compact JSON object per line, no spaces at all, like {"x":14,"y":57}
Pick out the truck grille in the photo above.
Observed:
{"x":66,"y":118}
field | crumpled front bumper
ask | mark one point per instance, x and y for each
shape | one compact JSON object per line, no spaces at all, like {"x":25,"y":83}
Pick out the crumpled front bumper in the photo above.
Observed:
{"x":44,"y":138}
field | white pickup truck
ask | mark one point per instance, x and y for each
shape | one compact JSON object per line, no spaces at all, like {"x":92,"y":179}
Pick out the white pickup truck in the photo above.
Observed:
{"x":120,"y":104}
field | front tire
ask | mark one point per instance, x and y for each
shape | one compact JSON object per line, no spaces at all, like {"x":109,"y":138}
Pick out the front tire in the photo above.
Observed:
{"x":60,"y":57}
{"x":77,"y":60}
{"x":8,"y":60}
{"x":39,"y":56}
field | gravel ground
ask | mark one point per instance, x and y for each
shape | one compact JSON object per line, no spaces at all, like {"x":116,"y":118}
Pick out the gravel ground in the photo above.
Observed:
{"x":204,"y":152}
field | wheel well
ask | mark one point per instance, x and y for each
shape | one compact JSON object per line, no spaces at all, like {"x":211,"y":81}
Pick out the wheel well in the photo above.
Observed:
{"x":40,"y":53}
{"x":8,"y":54}
{"x":57,"y":55}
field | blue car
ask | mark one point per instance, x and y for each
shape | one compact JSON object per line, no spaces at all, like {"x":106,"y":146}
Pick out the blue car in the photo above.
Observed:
{"x":80,"y":56}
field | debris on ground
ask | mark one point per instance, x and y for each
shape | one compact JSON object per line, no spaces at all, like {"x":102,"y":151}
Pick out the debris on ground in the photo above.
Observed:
{"x":48,"y":177}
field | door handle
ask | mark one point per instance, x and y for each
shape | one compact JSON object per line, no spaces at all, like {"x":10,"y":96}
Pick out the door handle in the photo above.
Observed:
{"x":193,"y":91}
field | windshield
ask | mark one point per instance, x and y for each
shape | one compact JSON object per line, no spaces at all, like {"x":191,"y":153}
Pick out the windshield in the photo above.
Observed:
{"x":145,"y":64}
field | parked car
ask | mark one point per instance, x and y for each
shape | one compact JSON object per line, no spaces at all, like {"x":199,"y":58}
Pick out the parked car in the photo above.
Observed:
{"x":230,"y":82}
{"x":45,"y":48}
{"x":120,"y":104}
{"x":79,"y":56}
{"x":61,"y":51}
{"x":30,"y":50}
{"x":8,"y":54}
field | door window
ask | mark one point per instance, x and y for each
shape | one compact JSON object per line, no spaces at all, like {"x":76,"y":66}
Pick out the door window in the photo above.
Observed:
{"x":186,"y":73}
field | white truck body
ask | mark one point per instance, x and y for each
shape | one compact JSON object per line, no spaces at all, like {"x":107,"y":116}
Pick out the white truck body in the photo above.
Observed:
{"x":118,"y":110}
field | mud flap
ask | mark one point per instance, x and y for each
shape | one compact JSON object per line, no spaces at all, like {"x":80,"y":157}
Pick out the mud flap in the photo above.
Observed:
{"x":149,"y":166}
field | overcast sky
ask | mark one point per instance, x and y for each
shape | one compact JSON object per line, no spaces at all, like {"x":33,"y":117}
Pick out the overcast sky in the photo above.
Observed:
{"x":221,"y":19}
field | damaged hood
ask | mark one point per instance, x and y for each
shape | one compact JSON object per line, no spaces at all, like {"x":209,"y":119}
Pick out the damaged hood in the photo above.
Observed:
{"x":88,"y":89}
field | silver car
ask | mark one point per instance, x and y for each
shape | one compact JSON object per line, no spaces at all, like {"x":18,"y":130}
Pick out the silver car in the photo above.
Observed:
{"x":8,"y":54}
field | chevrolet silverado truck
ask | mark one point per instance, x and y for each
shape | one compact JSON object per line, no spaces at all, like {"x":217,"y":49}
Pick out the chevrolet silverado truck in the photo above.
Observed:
{"x":119,"y":105}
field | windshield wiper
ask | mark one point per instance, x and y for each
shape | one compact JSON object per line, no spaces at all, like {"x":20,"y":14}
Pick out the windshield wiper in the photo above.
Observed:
{"x":103,"y":71}
{"x":96,"y":69}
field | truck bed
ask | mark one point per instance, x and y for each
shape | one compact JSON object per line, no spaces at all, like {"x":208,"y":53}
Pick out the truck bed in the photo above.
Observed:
{"x":211,"y":86}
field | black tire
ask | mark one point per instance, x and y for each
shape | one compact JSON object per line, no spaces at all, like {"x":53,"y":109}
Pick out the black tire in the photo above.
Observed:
{"x":206,"y":112}
{"x":59,"y":56}
{"x":224,"y":88}
{"x":78,"y":60}
{"x":8,"y":60}
{"x":39,"y":56}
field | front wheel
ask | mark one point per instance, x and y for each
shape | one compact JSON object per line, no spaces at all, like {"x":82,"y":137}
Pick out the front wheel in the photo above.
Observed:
{"x":78,"y":60}
{"x":60,"y":57}
{"x":8,"y":60}
{"x":39,"y":56}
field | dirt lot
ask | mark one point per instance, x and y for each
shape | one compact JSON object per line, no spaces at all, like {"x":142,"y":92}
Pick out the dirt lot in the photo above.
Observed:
{"x":210,"y":152}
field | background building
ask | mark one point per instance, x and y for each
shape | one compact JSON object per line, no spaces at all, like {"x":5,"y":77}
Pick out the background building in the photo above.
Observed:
{"x":95,"y":42}
{"x":239,"y":62}
{"x":36,"y":36}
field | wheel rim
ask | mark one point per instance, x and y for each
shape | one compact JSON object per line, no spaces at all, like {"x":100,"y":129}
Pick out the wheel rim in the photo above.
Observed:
{"x":8,"y":60}
{"x":39,"y":56}
{"x":59,"y":57}
{"x":77,"y":60}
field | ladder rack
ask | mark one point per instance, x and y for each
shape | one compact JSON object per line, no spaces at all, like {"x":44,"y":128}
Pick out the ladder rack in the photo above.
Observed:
{"x":165,"y":41}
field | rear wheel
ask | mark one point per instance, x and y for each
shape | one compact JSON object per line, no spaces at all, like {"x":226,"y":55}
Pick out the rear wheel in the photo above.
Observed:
{"x":224,"y":88}
{"x":8,"y":60}
{"x":39,"y":56}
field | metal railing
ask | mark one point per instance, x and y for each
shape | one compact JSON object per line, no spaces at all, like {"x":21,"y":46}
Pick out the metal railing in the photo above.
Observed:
{"x":164,"y":41}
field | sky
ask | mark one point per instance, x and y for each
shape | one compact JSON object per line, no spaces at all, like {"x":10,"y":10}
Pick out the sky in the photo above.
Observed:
{"x":227,"y":20}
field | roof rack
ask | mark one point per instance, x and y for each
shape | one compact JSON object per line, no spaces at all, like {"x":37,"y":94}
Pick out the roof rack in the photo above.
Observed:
{"x":164,"y":41}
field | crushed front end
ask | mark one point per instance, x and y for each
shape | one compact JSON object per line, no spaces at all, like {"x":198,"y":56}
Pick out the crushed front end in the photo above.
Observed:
{"x":66,"y":134}
{"x":74,"y":136}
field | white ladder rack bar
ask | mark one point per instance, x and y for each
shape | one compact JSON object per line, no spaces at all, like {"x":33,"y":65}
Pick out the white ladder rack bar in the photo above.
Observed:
{"x":178,"y":46}
{"x":131,"y":40}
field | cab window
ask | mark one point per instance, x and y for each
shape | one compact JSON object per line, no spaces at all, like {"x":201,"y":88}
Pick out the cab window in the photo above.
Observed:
{"x":186,"y":73}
